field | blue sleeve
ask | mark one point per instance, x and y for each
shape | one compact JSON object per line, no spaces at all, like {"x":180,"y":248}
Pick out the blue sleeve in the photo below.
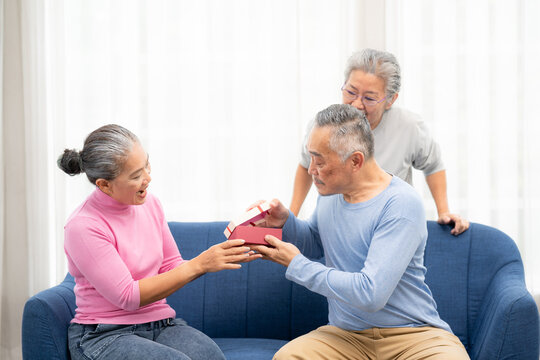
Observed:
{"x":392,"y":248}
{"x":304,"y":235}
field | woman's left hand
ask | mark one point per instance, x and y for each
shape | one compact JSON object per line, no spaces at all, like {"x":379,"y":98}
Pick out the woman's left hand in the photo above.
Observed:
{"x":460,"y":224}
{"x":226,"y":255}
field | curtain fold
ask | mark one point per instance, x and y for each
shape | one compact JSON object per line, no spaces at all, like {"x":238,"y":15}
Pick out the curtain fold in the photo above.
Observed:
{"x":38,"y":135}
{"x":14,"y":279}
{"x":2,"y":189}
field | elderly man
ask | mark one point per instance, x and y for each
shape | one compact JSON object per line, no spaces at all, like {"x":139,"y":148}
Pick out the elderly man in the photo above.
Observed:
{"x":371,"y":228}
{"x":372,"y":84}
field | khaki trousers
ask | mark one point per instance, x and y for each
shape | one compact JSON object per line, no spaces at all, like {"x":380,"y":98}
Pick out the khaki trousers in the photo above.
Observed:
{"x":411,"y":343}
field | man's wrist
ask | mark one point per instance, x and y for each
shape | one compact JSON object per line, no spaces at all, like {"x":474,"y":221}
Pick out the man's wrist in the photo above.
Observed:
{"x":292,"y":268}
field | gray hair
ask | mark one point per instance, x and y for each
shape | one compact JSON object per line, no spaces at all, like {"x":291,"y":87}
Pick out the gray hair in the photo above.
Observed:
{"x":350,"y":130}
{"x":379,"y":63}
{"x":103,"y":156}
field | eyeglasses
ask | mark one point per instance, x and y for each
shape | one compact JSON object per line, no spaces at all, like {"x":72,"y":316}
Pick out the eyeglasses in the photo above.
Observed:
{"x":366,"y":100}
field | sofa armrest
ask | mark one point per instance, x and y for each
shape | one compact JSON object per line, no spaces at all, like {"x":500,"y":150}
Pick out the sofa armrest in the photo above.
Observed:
{"x":507,"y":324}
{"x":46,"y":318}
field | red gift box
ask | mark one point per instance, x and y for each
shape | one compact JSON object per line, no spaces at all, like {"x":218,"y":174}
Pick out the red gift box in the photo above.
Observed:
{"x":254,"y":235}
{"x":243,"y":227}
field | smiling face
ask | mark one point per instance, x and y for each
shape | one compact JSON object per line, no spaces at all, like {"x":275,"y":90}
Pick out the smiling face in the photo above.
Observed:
{"x":330,"y":175}
{"x":367,"y":86}
{"x":129,"y":187}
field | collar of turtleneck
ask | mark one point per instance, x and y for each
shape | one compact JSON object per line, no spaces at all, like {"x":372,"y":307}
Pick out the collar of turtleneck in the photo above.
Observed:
{"x":107,"y":203}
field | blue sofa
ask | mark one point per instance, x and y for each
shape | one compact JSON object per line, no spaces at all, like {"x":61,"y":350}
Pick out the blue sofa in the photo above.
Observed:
{"x":476,"y":278}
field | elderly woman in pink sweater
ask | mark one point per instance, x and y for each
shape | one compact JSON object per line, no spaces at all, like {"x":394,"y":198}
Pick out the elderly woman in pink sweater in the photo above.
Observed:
{"x":125,"y":261}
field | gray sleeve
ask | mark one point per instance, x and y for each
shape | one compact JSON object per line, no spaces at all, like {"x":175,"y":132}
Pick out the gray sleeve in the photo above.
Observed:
{"x":305,"y":158}
{"x":427,"y":153}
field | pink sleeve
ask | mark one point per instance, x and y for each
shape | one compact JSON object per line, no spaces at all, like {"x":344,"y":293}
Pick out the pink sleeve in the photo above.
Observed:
{"x":171,"y":254}
{"x":95,"y":256}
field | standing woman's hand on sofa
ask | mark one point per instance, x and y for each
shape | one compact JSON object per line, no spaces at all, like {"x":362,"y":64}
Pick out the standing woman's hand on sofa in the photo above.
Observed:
{"x":226,"y":255}
{"x":460,"y":224}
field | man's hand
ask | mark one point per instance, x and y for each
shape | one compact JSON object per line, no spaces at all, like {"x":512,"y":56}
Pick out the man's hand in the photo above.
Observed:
{"x":277,"y":214}
{"x":460,"y":224}
{"x":281,"y":253}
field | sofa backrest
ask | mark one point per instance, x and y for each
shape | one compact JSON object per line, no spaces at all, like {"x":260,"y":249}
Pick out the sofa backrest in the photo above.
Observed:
{"x":255,"y":301}
{"x":460,"y":268}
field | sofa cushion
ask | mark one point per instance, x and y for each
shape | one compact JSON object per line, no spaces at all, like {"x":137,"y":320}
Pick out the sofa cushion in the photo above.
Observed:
{"x":248,"y":349}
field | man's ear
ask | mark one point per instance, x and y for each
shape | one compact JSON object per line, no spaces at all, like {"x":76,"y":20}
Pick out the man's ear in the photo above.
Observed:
{"x":391,"y":101}
{"x":357,"y":160}
{"x":104,"y":185}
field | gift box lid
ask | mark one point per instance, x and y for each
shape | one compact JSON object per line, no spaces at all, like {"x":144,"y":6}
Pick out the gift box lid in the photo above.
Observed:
{"x":251,"y":217}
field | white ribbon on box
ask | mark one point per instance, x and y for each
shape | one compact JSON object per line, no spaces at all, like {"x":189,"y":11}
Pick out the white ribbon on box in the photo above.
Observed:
{"x":250,"y":218}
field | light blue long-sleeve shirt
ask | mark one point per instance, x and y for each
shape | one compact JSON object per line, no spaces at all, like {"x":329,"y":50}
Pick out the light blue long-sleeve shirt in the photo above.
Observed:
{"x":374,"y":252}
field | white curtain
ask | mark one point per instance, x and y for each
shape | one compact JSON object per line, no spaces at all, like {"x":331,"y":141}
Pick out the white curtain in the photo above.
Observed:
{"x":219,"y":91}
{"x":471,"y":69}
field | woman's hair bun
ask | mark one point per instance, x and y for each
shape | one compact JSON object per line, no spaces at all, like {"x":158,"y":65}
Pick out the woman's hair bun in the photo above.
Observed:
{"x":70,"y":162}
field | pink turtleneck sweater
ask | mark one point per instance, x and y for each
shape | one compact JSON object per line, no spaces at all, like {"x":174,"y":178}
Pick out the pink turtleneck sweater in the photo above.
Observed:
{"x":110,"y":246}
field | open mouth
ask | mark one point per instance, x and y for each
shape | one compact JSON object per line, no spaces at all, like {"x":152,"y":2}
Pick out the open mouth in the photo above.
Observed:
{"x":141,"y":192}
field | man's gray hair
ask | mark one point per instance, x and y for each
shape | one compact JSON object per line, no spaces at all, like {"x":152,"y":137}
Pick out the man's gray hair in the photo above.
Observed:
{"x":379,"y":63}
{"x":103,"y":156}
{"x":350,"y":130}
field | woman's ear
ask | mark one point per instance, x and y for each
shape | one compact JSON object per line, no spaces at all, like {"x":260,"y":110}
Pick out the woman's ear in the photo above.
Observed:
{"x":104,"y":185}
{"x":391,"y":101}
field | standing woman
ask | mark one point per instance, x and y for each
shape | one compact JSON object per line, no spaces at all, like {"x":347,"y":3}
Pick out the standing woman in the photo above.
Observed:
{"x":125,"y":261}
